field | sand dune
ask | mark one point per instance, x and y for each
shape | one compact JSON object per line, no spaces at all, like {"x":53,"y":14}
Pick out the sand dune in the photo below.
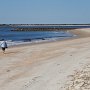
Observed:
{"x":47,"y":66}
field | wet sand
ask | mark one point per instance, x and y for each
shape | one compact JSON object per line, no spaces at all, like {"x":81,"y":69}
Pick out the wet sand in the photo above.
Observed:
{"x":47,"y":66}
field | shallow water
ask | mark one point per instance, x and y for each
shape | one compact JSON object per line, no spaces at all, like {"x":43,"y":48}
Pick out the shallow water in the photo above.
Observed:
{"x":7,"y":34}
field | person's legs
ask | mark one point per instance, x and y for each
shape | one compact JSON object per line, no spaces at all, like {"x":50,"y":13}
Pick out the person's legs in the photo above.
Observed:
{"x":3,"y":49}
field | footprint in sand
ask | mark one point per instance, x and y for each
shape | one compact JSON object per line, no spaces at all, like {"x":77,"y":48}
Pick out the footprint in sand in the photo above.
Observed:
{"x":32,"y":81}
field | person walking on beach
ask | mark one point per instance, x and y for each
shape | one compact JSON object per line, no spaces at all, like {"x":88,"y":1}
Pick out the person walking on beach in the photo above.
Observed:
{"x":3,"y":45}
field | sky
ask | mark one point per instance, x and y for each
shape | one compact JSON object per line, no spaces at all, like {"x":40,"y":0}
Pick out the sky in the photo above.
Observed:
{"x":44,"y":11}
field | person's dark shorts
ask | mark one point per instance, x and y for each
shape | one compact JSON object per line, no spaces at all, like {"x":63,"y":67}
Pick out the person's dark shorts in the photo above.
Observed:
{"x":3,"y":48}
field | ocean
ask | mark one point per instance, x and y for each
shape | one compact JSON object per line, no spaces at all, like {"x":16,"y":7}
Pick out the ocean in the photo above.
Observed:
{"x":20,"y":37}
{"x":7,"y":34}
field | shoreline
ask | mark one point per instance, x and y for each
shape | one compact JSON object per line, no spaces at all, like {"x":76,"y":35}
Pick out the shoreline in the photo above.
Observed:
{"x":77,"y":33}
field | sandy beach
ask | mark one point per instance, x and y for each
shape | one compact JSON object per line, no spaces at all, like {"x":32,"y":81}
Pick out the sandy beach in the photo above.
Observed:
{"x":59,"y":65}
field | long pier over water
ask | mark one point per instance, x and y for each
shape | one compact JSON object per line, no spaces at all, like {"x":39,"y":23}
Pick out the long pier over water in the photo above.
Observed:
{"x":46,"y":27}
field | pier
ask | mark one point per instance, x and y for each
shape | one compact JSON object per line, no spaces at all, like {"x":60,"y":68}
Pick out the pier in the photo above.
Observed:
{"x":46,"y":27}
{"x":43,"y":27}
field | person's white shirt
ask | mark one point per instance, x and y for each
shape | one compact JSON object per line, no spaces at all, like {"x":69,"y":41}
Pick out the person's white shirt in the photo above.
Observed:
{"x":3,"y":44}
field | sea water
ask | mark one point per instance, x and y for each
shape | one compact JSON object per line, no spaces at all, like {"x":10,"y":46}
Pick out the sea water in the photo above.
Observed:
{"x":19,"y":37}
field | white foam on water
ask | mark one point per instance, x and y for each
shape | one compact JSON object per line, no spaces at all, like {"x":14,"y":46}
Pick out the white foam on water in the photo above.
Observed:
{"x":14,"y":43}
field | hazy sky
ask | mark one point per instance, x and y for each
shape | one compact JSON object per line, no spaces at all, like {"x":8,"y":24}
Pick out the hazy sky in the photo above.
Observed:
{"x":44,"y":11}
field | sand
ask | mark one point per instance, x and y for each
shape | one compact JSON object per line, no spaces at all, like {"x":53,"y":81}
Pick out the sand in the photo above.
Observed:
{"x":60,"y":65}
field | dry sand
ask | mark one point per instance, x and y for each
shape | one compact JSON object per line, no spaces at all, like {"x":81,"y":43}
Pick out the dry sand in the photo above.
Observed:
{"x":61,"y":65}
